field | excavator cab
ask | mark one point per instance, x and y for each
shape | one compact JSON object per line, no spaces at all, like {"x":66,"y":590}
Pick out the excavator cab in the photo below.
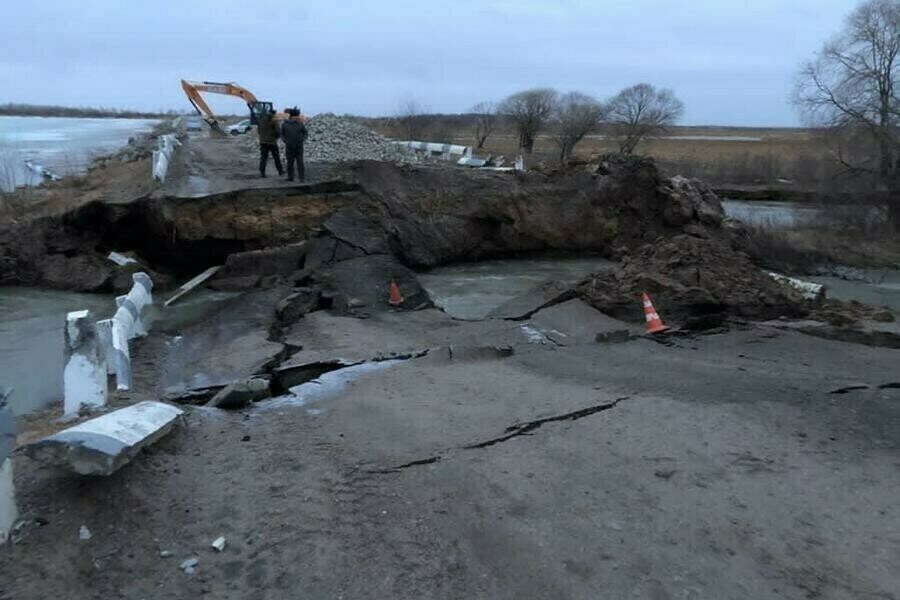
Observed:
{"x":257,"y":109}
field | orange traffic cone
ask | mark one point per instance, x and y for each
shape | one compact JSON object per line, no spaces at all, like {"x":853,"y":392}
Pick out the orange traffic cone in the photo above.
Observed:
{"x":654,"y":323}
{"x":396,"y":299}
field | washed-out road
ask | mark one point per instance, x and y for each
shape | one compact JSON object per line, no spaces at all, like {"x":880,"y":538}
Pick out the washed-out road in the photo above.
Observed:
{"x":725,"y":466}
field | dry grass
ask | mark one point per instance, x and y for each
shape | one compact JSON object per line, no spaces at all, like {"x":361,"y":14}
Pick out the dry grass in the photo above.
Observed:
{"x":803,"y":249}
{"x":734,"y":156}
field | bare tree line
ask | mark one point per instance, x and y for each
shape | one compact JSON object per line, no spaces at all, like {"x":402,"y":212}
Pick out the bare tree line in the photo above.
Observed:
{"x":635,"y":113}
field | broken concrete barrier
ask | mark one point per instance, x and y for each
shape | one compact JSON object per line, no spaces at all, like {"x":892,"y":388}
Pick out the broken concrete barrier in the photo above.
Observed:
{"x":84,"y":374}
{"x":128,"y":322}
{"x":239,"y":394}
{"x":103,"y":445}
{"x":162,"y":156}
{"x":8,"y":512}
{"x":808,"y":289}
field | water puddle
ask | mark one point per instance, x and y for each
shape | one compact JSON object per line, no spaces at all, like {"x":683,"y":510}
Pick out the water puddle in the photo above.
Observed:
{"x":883,"y":291}
{"x":472,"y":290}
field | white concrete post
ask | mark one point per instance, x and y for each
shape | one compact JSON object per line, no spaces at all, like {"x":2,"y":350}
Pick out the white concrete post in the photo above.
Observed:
{"x":104,"y":335}
{"x":121,"y":355}
{"x":84,"y":376}
{"x":8,"y":512}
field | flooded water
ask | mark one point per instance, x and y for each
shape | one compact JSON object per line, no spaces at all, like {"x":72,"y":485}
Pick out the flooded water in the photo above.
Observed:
{"x":472,"y":290}
{"x":884,"y":289}
{"x":770,"y":213}
{"x":31,"y":335}
{"x":31,"y":341}
{"x":64,"y":145}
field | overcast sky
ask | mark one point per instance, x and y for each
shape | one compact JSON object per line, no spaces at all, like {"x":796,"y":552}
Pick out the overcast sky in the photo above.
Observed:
{"x":732,"y":62}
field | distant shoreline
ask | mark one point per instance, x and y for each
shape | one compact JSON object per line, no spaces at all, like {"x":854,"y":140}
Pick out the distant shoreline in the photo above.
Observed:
{"x":33,"y":110}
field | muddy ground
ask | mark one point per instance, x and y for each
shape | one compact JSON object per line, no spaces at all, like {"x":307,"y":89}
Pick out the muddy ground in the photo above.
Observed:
{"x":549,"y":451}
{"x":722,"y":466}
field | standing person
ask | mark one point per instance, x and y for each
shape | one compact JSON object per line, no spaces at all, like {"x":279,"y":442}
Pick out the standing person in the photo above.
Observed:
{"x":268,"y":142}
{"x":294,"y":134}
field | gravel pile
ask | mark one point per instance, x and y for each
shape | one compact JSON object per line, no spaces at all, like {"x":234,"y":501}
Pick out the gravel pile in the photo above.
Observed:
{"x":333,"y":139}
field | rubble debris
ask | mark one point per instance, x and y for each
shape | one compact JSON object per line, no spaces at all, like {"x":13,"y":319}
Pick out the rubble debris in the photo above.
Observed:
{"x":192,"y":284}
{"x":120,"y":259}
{"x":219,"y":544}
{"x":104,"y":444}
{"x":809,"y":290}
{"x":241,"y":393}
{"x":42,"y":171}
{"x":257,"y":264}
{"x":189,"y":565}
{"x":334,"y":139}
{"x":304,"y":300}
{"x":691,"y":276}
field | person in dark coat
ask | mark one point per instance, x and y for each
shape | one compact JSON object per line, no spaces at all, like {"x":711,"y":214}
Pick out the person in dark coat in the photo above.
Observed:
{"x":268,"y":142}
{"x":294,"y":134}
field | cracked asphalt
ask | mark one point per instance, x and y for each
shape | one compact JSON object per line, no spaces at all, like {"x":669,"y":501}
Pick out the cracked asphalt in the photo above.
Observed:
{"x":718,"y":466}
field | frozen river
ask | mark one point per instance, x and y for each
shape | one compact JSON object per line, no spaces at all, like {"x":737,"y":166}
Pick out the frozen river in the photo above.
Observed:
{"x":64,"y":145}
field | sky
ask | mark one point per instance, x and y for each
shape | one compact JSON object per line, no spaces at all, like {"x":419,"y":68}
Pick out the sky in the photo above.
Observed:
{"x":732,"y":62}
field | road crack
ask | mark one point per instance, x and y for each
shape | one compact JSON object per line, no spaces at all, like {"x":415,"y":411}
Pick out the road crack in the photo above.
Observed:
{"x":509,"y":433}
{"x":529,"y":426}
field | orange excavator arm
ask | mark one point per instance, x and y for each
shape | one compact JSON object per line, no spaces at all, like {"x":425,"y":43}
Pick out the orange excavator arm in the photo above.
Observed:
{"x":193,"y":89}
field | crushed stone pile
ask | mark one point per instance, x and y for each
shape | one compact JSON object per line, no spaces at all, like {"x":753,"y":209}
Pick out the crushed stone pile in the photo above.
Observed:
{"x":333,"y":139}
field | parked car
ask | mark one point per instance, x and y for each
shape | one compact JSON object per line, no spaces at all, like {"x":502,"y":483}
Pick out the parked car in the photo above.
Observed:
{"x":239,"y":127}
{"x":193,"y":124}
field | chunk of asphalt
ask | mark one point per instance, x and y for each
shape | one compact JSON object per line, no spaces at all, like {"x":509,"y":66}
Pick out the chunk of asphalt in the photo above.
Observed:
{"x":103,"y":445}
{"x":241,"y":393}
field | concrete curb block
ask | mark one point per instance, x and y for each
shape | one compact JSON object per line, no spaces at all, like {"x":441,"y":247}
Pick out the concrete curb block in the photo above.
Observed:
{"x":161,"y":157}
{"x":8,"y":511}
{"x":84,"y":374}
{"x":103,"y":445}
{"x":808,"y":289}
{"x":126,"y":324}
{"x":434,"y":149}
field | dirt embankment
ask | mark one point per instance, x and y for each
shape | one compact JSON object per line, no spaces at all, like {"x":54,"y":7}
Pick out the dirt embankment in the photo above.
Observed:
{"x":420,"y":217}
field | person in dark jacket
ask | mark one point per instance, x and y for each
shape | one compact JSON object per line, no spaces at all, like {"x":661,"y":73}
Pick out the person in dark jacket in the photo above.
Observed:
{"x":268,"y":143}
{"x":293,"y":132}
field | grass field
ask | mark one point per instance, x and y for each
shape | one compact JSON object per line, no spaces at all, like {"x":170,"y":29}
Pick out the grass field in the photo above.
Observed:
{"x":722,"y":156}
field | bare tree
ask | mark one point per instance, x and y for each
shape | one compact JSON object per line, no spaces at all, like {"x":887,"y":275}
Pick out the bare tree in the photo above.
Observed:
{"x":529,"y":110}
{"x":485,"y":121}
{"x":411,"y":119}
{"x":851,"y":86}
{"x":575,"y":115}
{"x":642,"y":111}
